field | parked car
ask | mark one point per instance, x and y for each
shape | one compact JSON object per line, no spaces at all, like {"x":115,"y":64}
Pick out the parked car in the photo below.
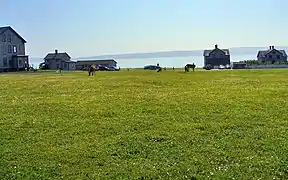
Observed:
{"x":102,"y":68}
{"x":228,"y":66}
{"x":208,"y":67}
{"x":43,"y":66}
{"x":114,"y":68}
{"x":151,"y":67}
{"x":221,"y":67}
{"x":107,"y":68}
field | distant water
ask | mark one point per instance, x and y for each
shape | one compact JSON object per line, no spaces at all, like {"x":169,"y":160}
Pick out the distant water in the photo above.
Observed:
{"x":176,"y":62}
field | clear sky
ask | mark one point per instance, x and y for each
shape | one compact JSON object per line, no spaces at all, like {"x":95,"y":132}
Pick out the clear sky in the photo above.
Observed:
{"x":96,"y":27}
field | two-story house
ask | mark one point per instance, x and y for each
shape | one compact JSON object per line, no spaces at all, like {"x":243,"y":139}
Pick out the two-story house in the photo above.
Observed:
{"x":272,"y":55}
{"x":12,"y":50}
{"x":216,"y":57}
{"x":58,"y":60}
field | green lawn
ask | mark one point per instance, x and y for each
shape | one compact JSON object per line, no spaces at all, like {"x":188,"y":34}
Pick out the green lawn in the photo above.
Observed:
{"x":145,"y":125}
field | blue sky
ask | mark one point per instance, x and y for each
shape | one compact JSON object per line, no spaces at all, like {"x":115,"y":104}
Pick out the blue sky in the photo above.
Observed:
{"x":96,"y":27}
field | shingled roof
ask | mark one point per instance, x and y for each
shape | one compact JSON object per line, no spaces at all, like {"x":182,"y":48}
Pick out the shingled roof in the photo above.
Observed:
{"x":56,"y":56}
{"x":3,"y":29}
{"x":207,"y":52}
{"x":271,"y":48}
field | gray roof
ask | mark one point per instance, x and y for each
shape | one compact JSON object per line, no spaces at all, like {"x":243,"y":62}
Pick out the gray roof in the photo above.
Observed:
{"x":207,"y":52}
{"x":265,"y":52}
{"x":84,"y":62}
{"x":56,"y":56}
{"x":70,"y":61}
{"x":3,"y":29}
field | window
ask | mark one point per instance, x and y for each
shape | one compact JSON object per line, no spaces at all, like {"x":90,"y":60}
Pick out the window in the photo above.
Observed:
{"x":20,"y":62}
{"x":9,"y":38}
{"x":14,"y":49}
{"x":65,"y":65}
{"x":9,"y":49}
{"x":278,"y":56}
{"x":270,"y":56}
{"x":3,"y":38}
{"x":5,"y":62}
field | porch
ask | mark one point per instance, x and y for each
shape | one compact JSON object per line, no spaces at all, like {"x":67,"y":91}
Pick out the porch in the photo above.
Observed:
{"x":19,"y":63}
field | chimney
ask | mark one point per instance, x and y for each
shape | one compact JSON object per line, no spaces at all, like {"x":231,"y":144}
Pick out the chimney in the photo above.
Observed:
{"x":272,"y":47}
{"x":56,"y":51}
{"x":269,"y":47}
{"x":216,"y":46}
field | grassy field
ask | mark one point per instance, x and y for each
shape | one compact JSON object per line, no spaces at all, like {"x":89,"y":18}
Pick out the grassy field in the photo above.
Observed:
{"x":145,"y":125}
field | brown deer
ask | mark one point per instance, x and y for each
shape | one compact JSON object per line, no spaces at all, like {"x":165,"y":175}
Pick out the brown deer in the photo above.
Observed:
{"x":91,"y":70}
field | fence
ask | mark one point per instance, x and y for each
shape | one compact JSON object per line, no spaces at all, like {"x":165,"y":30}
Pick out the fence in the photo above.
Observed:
{"x":267,"y":66}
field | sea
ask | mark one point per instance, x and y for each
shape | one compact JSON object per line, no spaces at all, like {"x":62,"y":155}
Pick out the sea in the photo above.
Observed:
{"x":177,"y":62}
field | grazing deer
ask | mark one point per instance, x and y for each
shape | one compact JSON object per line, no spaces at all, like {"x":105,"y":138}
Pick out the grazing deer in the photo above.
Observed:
{"x":91,"y":70}
{"x":190,"y":66}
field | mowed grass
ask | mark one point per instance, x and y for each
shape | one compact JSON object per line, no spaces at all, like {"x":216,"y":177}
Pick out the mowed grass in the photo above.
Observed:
{"x":145,"y":125}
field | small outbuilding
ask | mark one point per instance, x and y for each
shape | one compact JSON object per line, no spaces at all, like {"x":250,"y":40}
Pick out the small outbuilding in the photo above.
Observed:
{"x":239,"y":65}
{"x":83,"y":64}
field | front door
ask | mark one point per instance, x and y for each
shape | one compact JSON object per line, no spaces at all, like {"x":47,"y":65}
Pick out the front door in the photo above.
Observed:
{"x":14,"y":62}
{"x":11,"y":64}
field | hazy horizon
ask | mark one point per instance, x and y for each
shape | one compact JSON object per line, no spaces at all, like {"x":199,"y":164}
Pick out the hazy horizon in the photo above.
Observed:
{"x":233,"y":50}
{"x":173,"y":61}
